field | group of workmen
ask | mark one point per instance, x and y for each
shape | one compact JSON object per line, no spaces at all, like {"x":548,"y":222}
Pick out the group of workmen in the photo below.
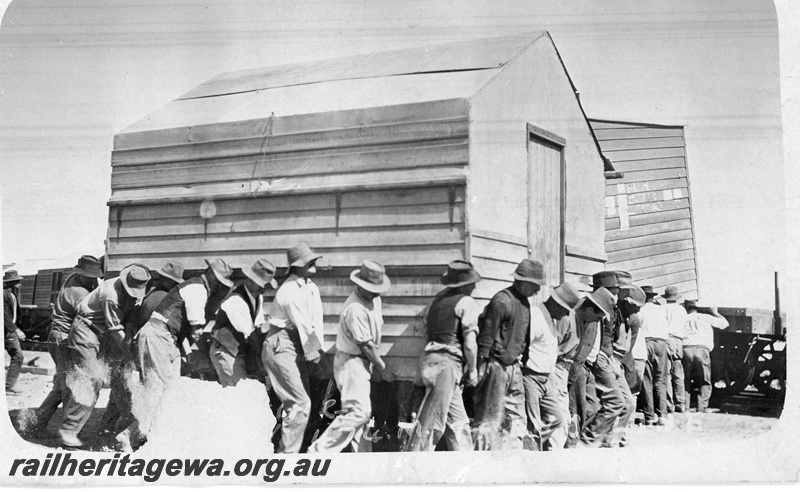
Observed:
{"x":561,"y":373}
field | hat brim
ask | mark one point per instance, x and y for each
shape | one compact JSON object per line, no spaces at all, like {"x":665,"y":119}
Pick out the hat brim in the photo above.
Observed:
{"x":9,"y":280}
{"x":300,"y":263}
{"x":248,"y":272}
{"x":560,"y":301}
{"x":137,"y":292}
{"x":474,"y":278}
{"x":591,"y":299}
{"x":89,"y":273}
{"x":675,"y":298}
{"x":161,"y":272}
{"x":224,"y":281}
{"x":538,"y":281}
{"x":374,"y":288}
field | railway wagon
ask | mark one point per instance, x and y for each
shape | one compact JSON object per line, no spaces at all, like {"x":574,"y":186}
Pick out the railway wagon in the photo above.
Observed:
{"x":476,"y":150}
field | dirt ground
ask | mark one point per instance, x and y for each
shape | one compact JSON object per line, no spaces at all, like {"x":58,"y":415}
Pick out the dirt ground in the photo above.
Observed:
{"x":687,"y":429}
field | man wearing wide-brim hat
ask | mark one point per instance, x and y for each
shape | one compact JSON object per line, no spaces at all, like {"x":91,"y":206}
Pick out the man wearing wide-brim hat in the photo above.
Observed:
{"x":119,"y":416}
{"x":238,"y":317}
{"x":182,"y":314}
{"x":544,"y":380}
{"x":655,"y":331}
{"x":502,"y":341}
{"x":676,"y":326}
{"x":452,"y":349}
{"x":590,"y":313}
{"x":294,"y":341}
{"x":11,"y":284}
{"x":631,"y":300}
{"x":103,"y":313}
{"x":76,"y":286}
{"x":357,"y":352}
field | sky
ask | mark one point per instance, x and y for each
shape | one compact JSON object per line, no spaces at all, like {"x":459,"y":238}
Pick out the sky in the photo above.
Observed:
{"x":75,"y":72}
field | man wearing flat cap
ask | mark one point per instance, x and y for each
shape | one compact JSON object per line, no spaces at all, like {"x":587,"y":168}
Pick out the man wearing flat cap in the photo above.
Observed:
{"x":357,"y":353}
{"x":544,"y":394}
{"x":77,"y":286}
{"x":101,"y":314}
{"x":240,"y":314}
{"x":180,"y":315}
{"x":11,"y":283}
{"x":502,"y":341}
{"x":452,"y":328}
{"x":697,"y":349}
{"x":293,"y":341}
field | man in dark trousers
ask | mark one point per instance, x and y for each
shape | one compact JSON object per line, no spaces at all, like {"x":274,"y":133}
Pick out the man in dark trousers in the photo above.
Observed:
{"x":452,"y":328}
{"x":697,"y":349}
{"x":626,"y":330}
{"x":582,"y":395}
{"x":502,"y":341}
{"x":77,"y":286}
{"x":103,"y":313}
{"x":543,"y":393}
{"x":11,"y":283}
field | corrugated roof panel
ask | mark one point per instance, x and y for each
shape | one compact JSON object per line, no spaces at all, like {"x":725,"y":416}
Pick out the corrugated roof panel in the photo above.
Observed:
{"x":477,"y":54}
{"x":337,"y":95}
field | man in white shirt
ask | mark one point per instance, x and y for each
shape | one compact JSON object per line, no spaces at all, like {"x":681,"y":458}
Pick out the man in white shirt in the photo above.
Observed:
{"x":357,"y":353}
{"x":676,"y":325}
{"x":655,"y":331}
{"x":294,"y":340}
{"x":240,"y":314}
{"x":546,"y":397}
{"x":697,"y":345}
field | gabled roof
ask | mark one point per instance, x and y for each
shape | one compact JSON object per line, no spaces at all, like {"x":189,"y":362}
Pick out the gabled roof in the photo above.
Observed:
{"x":416,"y":75}
{"x":479,"y":54}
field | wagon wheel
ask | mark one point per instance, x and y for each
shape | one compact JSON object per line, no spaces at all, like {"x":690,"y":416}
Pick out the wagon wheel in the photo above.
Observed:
{"x":732,"y":370}
{"x":770,"y":370}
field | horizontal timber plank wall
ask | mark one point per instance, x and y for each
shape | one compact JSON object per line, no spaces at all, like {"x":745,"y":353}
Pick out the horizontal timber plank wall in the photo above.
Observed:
{"x":649,"y":229}
{"x":385,"y":184}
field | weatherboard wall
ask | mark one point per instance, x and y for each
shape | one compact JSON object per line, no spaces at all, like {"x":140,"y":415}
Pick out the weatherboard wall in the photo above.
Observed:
{"x":384,"y":183}
{"x":649,"y":226}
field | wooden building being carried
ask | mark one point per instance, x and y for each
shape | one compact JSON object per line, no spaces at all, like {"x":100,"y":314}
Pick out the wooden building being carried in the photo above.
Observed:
{"x":475,"y":150}
{"x":649,"y":222}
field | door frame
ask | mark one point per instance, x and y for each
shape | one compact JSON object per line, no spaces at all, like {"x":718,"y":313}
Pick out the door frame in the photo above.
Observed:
{"x":537,"y":133}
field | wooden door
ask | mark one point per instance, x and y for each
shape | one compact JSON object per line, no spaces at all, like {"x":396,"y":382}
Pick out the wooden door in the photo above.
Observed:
{"x":546,"y":201}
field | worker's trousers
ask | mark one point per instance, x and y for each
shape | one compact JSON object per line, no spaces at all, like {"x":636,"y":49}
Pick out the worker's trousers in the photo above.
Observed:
{"x":655,"y":381}
{"x":499,"y":407}
{"x":582,"y":396}
{"x":559,"y":378}
{"x":14,"y":349}
{"x":675,"y":383}
{"x":85,"y":379}
{"x":619,"y":433}
{"x":230,"y":368}
{"x":542,"y":405}
{"x":352,"y":375}
{"x":611,"y":403}
{"x":283,"y":359}
{"x":60,"y":355}
{"x":697,"y":363}
{"x":442,"y":414}
{"x":160,"y":366}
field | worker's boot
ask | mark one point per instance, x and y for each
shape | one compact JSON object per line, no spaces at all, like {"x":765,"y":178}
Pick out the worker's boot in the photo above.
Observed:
{"x":69,"y":439}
